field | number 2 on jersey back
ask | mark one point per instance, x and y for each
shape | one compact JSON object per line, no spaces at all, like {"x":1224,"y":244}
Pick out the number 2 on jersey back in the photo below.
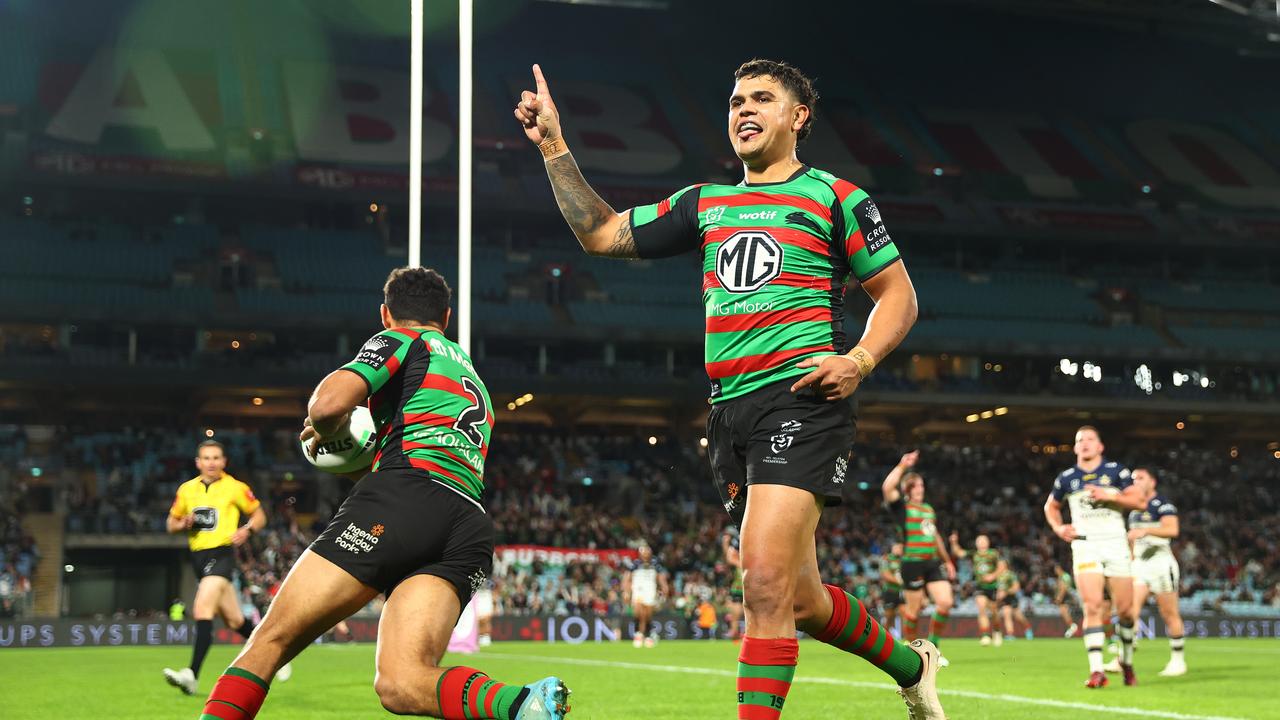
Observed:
{"x":470,"y":420}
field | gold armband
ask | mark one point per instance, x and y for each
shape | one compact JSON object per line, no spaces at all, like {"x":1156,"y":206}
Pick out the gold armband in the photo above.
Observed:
{"x":553,"y":148}
{"x":866,"y":363}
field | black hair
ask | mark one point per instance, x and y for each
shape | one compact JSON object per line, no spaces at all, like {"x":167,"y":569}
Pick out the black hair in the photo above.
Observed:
{"x":797,"y":83}
{"x":419,"y":294}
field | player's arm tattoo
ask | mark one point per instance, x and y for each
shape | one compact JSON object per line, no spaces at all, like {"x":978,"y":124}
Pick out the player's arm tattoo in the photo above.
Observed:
{"x":586,"y":212}
{"x":624,"y":243}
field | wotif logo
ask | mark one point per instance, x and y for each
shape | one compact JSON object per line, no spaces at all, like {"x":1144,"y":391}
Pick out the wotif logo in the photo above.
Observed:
{"x":747,"y":261}
{"x":759,"y":215}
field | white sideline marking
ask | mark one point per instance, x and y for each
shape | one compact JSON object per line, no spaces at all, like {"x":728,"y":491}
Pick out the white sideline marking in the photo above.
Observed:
{"x":861,"y":684}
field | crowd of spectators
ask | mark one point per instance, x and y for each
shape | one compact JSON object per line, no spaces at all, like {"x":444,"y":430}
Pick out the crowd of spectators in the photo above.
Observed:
{"x":661,"y":495}
{"x":19,"y":553}
{"x":600,"y":488}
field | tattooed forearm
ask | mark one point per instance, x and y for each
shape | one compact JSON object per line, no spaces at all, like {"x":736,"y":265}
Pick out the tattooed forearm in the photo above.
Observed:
{"x":624,"y":243}
{"x":581,"y":207}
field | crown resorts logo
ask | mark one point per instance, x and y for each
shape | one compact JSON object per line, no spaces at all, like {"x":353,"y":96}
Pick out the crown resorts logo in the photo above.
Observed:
{"x":873,"y":213}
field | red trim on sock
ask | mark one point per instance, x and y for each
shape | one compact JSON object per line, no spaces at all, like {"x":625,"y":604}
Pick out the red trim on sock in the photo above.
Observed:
{"x":490,"y":697}
{"x":769,"y":651}
{"x":222,"y":711}
{"x":757,"y":712}
{"x":886,"y":651}
{"x":869,"y":641}
{"x":473,"y":697}
{"x":764,"y":685}
{"x":238,"y":691}
{"x":449,"y":691}
{"x":839,"y":615}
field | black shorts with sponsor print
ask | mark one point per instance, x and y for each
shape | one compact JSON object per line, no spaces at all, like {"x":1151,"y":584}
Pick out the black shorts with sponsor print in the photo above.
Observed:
{"x":1009,"y":600}
{"x":219,"y":561}
{"x":987,"y":592}
{"x":892,"y":598}
{"x":915,"y":575}
{"x":775,"y":437}
{"x":399,"y":523}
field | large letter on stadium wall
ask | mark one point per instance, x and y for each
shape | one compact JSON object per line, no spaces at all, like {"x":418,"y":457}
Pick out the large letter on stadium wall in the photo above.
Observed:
{"x":94,"y":102}
{"x":611,"y":128}
{"x":357,"y":115}
{"x":1004,"y":135}
{"x":1216,"y":163}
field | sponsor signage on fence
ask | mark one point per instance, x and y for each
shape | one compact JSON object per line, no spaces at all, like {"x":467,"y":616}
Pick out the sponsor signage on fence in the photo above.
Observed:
{"x":569,"y":629}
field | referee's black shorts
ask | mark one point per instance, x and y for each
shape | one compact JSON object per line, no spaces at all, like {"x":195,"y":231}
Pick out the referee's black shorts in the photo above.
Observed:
{"x":401,"y":523}
{"x":219,"y":561}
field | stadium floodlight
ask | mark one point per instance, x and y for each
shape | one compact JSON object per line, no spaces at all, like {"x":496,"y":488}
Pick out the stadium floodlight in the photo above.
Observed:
{"x":1067,"y":367}
{"x":1144,"y":380}
{"x":1093,"y":372}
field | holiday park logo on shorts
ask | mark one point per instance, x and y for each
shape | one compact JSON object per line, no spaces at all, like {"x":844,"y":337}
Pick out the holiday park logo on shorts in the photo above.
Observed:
{"x":358,"y":540}
{"x":477,"y":580}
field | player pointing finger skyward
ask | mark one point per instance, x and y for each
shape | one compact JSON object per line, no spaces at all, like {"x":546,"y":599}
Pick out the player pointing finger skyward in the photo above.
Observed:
{"x":776,"y":253}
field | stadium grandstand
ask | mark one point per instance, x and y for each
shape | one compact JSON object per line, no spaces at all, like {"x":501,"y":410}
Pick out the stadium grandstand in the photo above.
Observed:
{"x":196,"y":228}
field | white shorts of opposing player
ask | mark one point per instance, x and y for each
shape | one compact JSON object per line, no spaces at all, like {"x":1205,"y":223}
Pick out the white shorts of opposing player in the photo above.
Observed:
{"x":1110,"y":557}
{"x":1159,"y":573}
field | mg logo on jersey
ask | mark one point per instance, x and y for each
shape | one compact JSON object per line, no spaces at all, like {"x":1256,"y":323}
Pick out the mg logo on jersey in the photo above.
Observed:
{"x":748,"y":260}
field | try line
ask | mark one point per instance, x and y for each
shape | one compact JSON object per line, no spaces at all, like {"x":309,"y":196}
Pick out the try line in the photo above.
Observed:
{"x":1003,"y":697}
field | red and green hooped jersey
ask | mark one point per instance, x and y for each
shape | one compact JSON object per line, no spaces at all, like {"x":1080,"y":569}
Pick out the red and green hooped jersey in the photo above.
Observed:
{"x":985,"y":563}
{"x":919,"y":524}
{"x":893,"y":563}
{"x":432,"y":409}
{"x":775,"y":260}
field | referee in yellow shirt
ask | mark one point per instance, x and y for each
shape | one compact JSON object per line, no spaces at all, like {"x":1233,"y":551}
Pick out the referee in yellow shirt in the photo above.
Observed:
{"x":208,"y":508}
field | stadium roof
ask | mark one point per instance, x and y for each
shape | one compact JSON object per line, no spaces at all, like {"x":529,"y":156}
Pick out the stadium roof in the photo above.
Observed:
{"x":1252,"y":27}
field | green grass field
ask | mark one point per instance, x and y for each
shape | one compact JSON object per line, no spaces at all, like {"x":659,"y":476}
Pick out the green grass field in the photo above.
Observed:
{"x":688,"y":680}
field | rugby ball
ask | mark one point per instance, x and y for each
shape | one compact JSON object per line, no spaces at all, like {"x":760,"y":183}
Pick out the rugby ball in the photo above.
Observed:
{"x":349,"y":449}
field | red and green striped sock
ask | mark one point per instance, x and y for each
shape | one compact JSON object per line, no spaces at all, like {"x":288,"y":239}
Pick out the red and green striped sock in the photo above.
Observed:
{"x":765,"y":669}
{"x":852,"y":629}
{"x":910,"y":627}
{"x":468,"y":694}
{"x":938,"y":626}
{"x":237,"y":695}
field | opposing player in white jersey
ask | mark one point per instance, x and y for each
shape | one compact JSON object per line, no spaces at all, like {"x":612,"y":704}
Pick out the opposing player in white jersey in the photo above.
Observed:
{"x":645,"y":577}
{"x":1155,"y":569}
{"x":1098,"y":493}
